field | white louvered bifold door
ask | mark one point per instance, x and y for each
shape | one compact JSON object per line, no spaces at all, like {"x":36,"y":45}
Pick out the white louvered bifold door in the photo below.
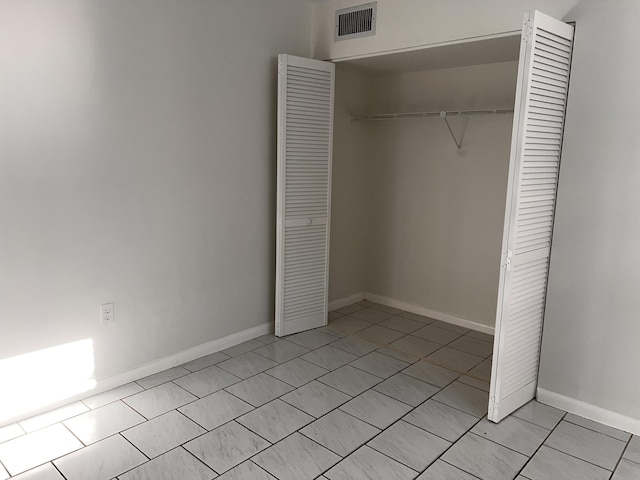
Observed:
{"x":305,"y":130}
{"x":543,"y":80}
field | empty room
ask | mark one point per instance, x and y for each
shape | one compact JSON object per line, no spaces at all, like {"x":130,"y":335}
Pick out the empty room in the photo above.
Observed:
{"x":319,"y":239}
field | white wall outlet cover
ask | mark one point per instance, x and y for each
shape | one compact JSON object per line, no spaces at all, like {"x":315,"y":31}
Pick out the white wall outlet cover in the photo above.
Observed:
{"x":107,"y":313}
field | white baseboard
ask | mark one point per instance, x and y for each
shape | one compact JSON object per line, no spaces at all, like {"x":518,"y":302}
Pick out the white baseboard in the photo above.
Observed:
{"x":592,"y":412}
{"x":419,"y":310}
{"x":153,"y":367}
{"x":343,"y":302}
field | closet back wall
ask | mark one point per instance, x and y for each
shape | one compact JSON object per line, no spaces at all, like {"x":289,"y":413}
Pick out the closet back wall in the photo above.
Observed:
{"x":435,"y":212}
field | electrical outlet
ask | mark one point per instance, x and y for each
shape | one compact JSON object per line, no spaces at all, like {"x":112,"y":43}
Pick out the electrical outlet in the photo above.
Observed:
{"x":107,"y":314}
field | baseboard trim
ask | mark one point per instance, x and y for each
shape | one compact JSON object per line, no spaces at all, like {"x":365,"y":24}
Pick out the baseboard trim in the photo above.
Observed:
{"x":587,"y":410}
{"x":419,"y":310}
{"x":150,"y":368}
{"x":343,"y":302}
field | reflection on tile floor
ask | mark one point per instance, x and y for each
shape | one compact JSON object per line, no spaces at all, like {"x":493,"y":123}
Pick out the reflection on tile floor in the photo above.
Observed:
{"x":377,"y":394}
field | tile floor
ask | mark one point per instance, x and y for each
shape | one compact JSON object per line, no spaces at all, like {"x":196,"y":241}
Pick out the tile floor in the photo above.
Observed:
{"x":377,"y":394}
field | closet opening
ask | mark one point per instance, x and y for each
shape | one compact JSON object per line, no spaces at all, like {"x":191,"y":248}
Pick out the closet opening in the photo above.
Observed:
{"x":416,"y":199}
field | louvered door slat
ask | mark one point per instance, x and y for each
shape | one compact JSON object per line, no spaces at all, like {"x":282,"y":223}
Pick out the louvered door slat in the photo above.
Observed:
{"x":305,"y":124}
{"x":545,"y":62}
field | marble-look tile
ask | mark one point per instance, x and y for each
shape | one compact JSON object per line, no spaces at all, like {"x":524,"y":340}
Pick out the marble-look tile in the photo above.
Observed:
{"x":418,"y":347}
{"x":627,"y":470}
{"x":474,"y":382}
{"x":176,"y":464}
{"x":159,"y":400}
{"x":435,"y":334}
{"x":407,"y":389}
{"x":472,"y":345}
{"x":296,"y":458}
{"x":350,"y":380}
{"x":454,"y":359}
{"x":206,"y":381}
{"x":267,"y":339}
{"x":259,"y":389}
{"x":368,"y":464}
{"x":430,"y":373}
{"x":243,"y":347}
{"x":316,"y":398}
{"x":226,"y":446}
{"x":379,"y":365}
{"x":399,"y":354}
{"x":282,"y":351}
{"x":482,"y":371}
{"x":215,"y":409}
{"x":33,"y":449}
{"x":113,"y":395}
{"x":633,"y":450}
{"x":443,"y":471}
{"x":357,"y":346}
{"x":484,"y":459}
{"x":349,"y":325}
{"x":163,"y":433}
{"x":247,"y":471}
{"x":329,"y":357}
{"x":103,"y":460}
{"x":44,"y":472}
{"x":380,"y":335}
{"x":386,"y":308}
{"x":10,"y":432}
{"x":420,"y":318}
{"x":482,"y":336}
{"x":103,"y":422}
{"x":297,"y":372}
{"x":410,"y":445}
{"x":340,"y":432}
{"x":548,"y":464}
{"x":402,"y":324}
{"x":442,"y":420}
{"x":371,"y":315}
{"x":54,"y":416}
{"x":376,"y":409}
{"x":586,"y":444}
{"x":275,"y":420}
{"x":248,"y":364}
{"x":206,"y":361}
{"x":312,"y":339}
{"x":540,"y":414}
{"x":597,"y":427}
{"x":511,"y":432}
{"x":162,"y":377}
{"x":463,"y":397}
{"x":451,"y":326}
{"x":349,"y":309}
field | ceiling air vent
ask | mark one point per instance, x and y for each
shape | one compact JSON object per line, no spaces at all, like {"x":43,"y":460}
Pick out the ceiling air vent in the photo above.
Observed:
{"x":356,"y":22}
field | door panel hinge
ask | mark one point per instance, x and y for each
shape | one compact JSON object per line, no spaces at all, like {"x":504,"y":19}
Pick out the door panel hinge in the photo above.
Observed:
{"x":505,"y":260}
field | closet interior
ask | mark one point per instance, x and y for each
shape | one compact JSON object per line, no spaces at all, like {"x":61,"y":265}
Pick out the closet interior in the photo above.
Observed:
{"x":420,"y":167}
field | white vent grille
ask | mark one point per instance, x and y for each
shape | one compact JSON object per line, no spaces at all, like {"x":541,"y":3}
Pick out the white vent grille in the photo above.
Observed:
{"x":356,"y":22}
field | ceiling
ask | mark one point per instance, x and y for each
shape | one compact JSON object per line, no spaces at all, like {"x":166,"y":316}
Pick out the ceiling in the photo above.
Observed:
{"x":472,"y":52}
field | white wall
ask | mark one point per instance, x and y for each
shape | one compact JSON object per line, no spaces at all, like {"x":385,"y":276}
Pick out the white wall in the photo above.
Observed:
{"x":137,"y":166}
{"x":352,"y":150}
{"x":436,"y":213}
{"x":591,"y":335}
{"x":405,"y":24}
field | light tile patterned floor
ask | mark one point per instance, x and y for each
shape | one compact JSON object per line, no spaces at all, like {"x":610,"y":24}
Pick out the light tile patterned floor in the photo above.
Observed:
{"x":377,"y":394}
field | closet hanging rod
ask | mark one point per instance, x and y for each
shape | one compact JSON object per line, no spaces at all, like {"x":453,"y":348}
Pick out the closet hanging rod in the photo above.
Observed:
{"x":450,"y":113}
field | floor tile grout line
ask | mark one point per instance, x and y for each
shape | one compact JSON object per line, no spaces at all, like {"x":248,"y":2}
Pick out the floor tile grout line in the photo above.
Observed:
{"x":621,"y":457}
{"x":541,"y":444}
{"x":582,"y":459}
{"x":601,"y":433}
{"x":456,"y":466}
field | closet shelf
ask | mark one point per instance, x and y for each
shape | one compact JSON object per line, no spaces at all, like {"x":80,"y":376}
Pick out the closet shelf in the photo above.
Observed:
{"x":449,"y":113}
